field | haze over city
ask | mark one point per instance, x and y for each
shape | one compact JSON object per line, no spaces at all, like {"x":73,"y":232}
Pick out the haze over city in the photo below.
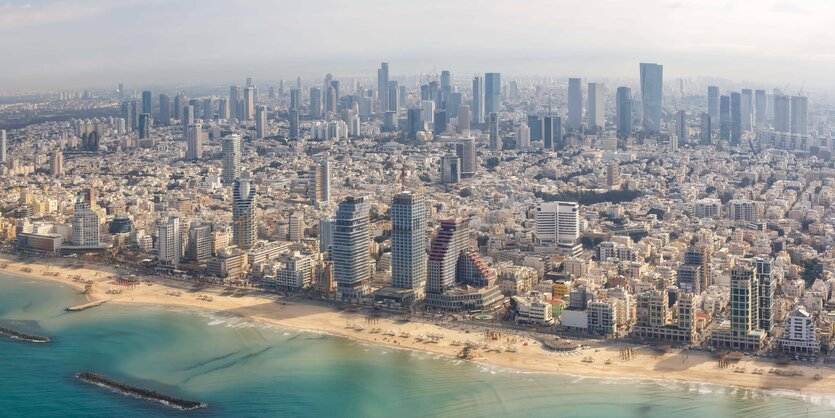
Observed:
{"x":89,"y":43}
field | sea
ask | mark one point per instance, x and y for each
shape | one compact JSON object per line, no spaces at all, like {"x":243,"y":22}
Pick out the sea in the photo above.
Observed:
{"x":244,"y":368}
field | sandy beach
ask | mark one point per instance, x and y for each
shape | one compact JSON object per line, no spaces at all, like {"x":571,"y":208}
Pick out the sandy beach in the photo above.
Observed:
{"x":607,"y":360}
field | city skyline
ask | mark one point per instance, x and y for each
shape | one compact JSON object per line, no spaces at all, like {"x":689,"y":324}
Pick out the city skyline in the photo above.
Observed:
{"x":596,"y":40}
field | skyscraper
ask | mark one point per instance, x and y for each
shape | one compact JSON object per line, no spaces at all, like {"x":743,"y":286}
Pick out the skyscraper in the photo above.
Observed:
{"x":194,"y":142}
{"x":147,"y":102}
{"x":725,"y":117}
{"x":782,"y":113}
{"x":477,"y":107}
{"x":350,"y":249}
{"x":85,"y":220}
{"x":575,"y":104}
{"x":383,"y":88}
{"x":164,"y":109}
{"x":144,"y":126}
{"x":244,"y":232}
{"x":249,"y":103}
{"x":799,"y":112}
{"x":260,"y":122}
{"x":413,"y":124}
{"x":465,"y":150}
{"x":552,"y":133}
{"x":315,"y":102}
{"x":295,"y":99}
{"x":408,"y":241}
{"x":624,"y":112}
{"x":495,"y":142}
{"x":746,"y":110}
{"x":523,"y":136}
{"x":766,"y":291}
{"x":492,"y":92}
{"x":736,"y":118}
{"x":56,"y":164}
{"x":681,"y":126}
{"x":231,"y":158}
{"x":596,"y":106}
{"x":652,"y":76}
{"x":170,"y":242}
{"x":393,"y":97}
{"x":294,"y":124}
{"x":3,"y":146}
{"x":188,"y":118}
{"x":127,"y":115}
{"x":321,"y":191}
{"x":450,"y":241}
{"x":713,"y":102}
{"x":234,"y":99}
{"x":760,"y":108}
{"x":705,"y":129}
{"x":180,"y":101}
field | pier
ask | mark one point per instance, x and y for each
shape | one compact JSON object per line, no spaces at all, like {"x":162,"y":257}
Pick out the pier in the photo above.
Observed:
{"x":17,"y":335}
{"x":125,"y":389}
{"x":79,"y":308}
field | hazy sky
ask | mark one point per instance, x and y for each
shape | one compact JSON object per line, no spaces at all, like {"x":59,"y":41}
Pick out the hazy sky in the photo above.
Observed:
{"x":75,"y":43}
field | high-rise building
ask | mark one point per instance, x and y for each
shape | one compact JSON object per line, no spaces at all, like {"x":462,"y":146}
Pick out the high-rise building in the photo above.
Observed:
{"x":523,"y":136}
{"x":624,"y":112}
{"x":760,"y":109}
{"x":261,"y":122}
{"x":86,"y":220}
{"x":681,"y":126}
{"x":413,"y":123}
{"x":699,"y":255}
{"x":766,"y":291}
{"x":315,"y":102}
{"x":164,"y":109}
{"x":295,"y":99}
{"x":736,"y":118}
{"x":234,"y":99}
{"x":244,"y":230}
{"x":713,"y":102}
{"x":321,"y":190}
{"x":383,"y":87}
{"x":552,"y":133}
{"x":492,"y":92}
{"x":477,"y":107}
{"x":613,"y":174}
{"x":464,"y":121}
{"x":393,"y":97}
{"x":144,"y":126}
{"x":575,"y":104}
{"x":439,"y":122}
{"x":350,"y":249}
{"x":746,"y":110}
{"x":782,"y":113}
{"x":194,"y":142}
{"x":180,"y":101}
{"x":170,"y":242}
{"x":450,"y":169}
{"x":293,"y":132}
{"x":596,"y":106}
{"x":495,"y":142}
{"x":725,"y":117}
{"x":799,"y":112}
{"x":56,"y":164}
{"x":231,"y":158}
{"x":652,"y":76}
{"x":296,"y":227}
{"x":465,"y":150}
{"x":450,"y":241}
{"x":200,"y":243}
{"x":557,"y":223}
{"x":705,"y":129}
{"x":208,"y":107}
{"x":745,"y":333}
{"x":147,"y":103}
{"x":188,"y":118}
{"x":427,"y":111}
{"x":4,"y":146}
{"x":249,"y":103}
{"x":326,"y":227}
{"x":127,"y":115}
{"x":408,"y":241}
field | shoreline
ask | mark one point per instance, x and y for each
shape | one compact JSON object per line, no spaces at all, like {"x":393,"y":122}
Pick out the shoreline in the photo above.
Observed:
{"x":679,"y":366}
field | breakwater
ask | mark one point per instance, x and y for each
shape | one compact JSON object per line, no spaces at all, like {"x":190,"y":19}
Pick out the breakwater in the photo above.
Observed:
{"x":137,"y":392}
{"x":86,"y":306}
{"x":17,"y":335}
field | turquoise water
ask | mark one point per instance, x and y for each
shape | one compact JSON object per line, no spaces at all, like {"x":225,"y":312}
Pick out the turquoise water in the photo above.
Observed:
{"x":243,"y":368}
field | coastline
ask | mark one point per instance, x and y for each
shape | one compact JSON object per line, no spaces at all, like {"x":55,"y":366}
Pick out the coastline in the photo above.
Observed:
{"x":686,"y":367}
